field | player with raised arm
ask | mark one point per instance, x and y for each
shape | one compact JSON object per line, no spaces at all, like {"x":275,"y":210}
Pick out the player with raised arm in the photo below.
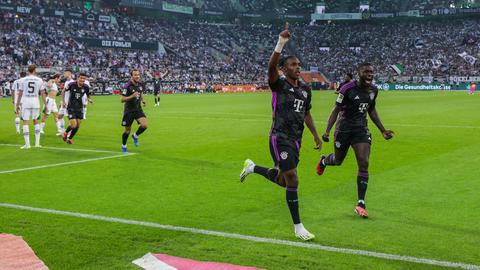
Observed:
{"x":51,"y":105}
{"x":355,"y":99}
{"x":75,"y":91}
{"x":291,"y":104}
{"x":15,"y":90}
{"x":157,"y":87}
{"x":132,"y":96}
{"x":31,"y":88}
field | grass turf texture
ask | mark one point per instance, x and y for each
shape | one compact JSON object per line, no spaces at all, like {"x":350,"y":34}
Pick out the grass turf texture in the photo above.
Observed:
{"x":422,"y":197}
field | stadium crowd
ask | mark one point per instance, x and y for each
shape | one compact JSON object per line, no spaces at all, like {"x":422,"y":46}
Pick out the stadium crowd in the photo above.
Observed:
{"x":201,"y":53}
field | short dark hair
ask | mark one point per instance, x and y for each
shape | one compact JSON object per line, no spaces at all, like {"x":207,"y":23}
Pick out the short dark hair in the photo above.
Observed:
{"x":82,"y":74}
{"x":364,"y":64}
{"x":350,"y":75}
{"x":23,"y":74}
{"x":131,"y":71}
{"x":284,"y":59}
{"x":55,"y":76}
{"x":32,"y":68}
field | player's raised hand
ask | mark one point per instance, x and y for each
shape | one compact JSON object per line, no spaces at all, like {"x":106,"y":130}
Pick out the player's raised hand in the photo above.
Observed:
{"x":388,"y":134}
{"x":326,"y":137}
{"x":285,"y":33}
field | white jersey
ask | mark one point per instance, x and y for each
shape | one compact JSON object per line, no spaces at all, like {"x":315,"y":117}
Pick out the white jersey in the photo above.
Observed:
{"x":15,"y":88}
{"x":31,"y":87}
{"x":51,"y":87}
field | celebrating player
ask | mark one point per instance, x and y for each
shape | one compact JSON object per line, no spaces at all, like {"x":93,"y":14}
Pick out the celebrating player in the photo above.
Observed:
{"x":157,"y":86}
{"x":75,"y":91}
{"x":354,"y":100}
{"x":132,"y":96}
{"x":291,"y":104}
{"x":51,"y":105}
{"x":31,"y":87}
{"x":15,"y":90}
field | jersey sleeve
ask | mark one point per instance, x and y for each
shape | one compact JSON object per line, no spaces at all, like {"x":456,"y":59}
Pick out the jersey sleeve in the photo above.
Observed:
{"x":126,"y":90}
{"x":277,"y":86}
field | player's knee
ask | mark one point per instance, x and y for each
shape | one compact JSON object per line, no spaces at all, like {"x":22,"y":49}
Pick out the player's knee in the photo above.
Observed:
{"x":291,"y":178}
{"x":144,"y":126}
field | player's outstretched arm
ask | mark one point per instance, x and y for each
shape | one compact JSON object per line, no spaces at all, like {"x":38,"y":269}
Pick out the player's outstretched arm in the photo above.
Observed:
{"x":273,"y":75}
{"x":387,"y":134}
{"x":331,"y":121}
{"x":311,"y":126}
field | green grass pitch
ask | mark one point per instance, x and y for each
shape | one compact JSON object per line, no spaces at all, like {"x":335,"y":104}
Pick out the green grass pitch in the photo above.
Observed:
{"x":423,"y":196}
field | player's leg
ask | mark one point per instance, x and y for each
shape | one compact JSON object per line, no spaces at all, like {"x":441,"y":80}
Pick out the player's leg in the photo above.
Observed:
{"x":158,"y":99}
{"x":61,"y":121}
{"x":36,"y":125}
{"x":272,"y":174}
{"x":341,"y":145}
{"x":76,"y":126}
{"x":125,"y":135}
{"x":142,"y":126}
{"x":362,"y":154}
{"x":46,"y":113}
{"x":17,"y":119}
{"x":26,"y":114}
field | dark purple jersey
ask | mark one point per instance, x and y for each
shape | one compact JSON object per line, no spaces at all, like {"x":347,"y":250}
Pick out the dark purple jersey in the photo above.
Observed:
{"x":75,"y":95}
{"x":355,"y":103}
{"x":289,"y":105}
{"x":133,"y":104}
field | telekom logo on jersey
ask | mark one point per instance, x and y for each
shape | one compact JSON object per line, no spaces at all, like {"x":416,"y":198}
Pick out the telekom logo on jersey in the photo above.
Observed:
{"x":298,"y":105}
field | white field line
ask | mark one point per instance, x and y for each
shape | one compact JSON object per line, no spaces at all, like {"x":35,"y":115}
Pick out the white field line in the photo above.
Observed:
{"x":65,"y":163}
{"x":117,"y":155}
{"x":273,"y":241}
{"x":64,"y":148}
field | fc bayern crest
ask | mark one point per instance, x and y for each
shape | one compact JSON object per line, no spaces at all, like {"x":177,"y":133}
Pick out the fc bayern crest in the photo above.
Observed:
{"x":372,"y":96}
{"x":305,"y":94}
{"x":284,"y":155}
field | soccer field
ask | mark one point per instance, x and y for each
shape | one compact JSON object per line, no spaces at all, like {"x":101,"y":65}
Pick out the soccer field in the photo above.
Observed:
{"x":423,"y":196}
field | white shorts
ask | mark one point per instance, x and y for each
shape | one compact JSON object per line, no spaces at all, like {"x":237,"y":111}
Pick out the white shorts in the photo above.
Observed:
{"x":30,"y":114}
{"x":51,"y":106}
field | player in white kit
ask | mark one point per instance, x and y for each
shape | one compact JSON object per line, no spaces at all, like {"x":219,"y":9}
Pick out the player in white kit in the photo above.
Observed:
{"x":15,"y":88}
{"x":51,"y":105}
{"x":32,"y":87}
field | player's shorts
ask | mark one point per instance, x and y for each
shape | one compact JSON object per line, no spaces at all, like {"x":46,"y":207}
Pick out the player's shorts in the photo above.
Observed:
{"x":130,"y":116}
{"x":30,"y":114}
{"x":343,"y":139}
{"x":156,"y":92}
{"x":51,"y":106}
{"x":285,"y":152}
{"x":75,"y":114}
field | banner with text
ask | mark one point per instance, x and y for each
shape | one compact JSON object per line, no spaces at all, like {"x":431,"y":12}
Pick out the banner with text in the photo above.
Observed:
{"x":118,"y":44}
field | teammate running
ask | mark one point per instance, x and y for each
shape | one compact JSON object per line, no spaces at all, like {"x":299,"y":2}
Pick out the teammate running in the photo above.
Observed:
{"x":157,"y":87}
{"x":132,"y":96}
{"x":75,"y":91}
{"x":354,"y":101}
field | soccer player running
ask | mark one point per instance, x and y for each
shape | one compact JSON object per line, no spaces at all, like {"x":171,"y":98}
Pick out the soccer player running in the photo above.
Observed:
{"x":75,"y":91}
{"x":31,"y":87}
{"x":51,"y":105}
{"x":157,"y":86}
{"x":132,"y":96}
{"x":15,"y":90}
{"x":354,"y":101}
{"x":291,"y":104}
